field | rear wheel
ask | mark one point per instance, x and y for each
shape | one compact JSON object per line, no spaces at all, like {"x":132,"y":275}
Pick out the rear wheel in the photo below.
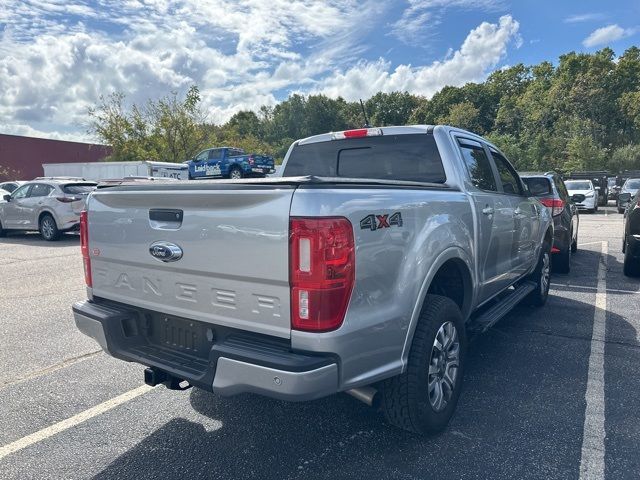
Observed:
{"x":631,"y":266}
{"x":235,"y":173}
{"x":574,"y":244}
{"x":3,"y":232}
{"x":48,"y":228}
{"x":424,"y":397}
{"x":541,"y":276}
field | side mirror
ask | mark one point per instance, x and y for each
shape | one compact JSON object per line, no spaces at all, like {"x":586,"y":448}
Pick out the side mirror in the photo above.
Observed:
{"x":578,"y":198}
{"x":623,"y":197}
{"x":6,"y":197}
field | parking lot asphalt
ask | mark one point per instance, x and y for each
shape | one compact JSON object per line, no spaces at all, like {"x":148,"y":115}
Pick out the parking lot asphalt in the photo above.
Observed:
{"x":70,"y":411}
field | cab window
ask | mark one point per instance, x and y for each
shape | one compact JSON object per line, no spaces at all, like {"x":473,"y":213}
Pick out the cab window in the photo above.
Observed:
{"x":202,"y":156}
{"x":478,"y":164}
{"x":215,"y":154}
{"x":508,"y":176}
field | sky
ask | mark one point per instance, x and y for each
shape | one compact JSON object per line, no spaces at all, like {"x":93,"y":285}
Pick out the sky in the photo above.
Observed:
{"x":57,"y":57}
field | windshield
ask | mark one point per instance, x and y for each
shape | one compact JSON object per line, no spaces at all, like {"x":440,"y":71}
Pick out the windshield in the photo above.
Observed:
{"x":413,"y":157}
{"x":633,"y":184}
{"x":578,"y":185}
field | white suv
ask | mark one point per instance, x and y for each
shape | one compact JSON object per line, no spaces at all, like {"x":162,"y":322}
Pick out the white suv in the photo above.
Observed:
{"x":51,"y":206}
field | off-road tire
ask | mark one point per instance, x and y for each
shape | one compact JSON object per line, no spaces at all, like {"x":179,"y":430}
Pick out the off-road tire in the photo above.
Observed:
{"x":405,"y":398}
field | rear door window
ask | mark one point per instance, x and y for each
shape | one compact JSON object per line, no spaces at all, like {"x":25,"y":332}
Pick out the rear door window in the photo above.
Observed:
{"x":412,"y":157}
{"x":538,"y":186}
{"x":40,"y":190}
{"x":79,"y":188}
{"x":478,"y":164}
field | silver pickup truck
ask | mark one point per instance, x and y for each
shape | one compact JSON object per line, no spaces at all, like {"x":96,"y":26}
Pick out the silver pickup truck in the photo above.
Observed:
{"x":361,"y":269}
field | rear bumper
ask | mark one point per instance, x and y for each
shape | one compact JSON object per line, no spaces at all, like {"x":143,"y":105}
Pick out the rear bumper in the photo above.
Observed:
{"x":222,"y":360}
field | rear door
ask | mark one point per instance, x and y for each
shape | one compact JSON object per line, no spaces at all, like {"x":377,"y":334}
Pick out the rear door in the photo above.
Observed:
{"x":234,"y":243}
{"x":35,"y":201}
{"x":495,"y":220}
{"x":525,"y":215}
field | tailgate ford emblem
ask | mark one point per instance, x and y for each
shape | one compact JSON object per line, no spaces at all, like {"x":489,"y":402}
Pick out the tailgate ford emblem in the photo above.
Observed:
{"x":165,"y":251}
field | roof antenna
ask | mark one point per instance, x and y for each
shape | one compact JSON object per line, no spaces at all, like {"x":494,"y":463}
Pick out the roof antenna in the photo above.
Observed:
{"x":364,"y":114}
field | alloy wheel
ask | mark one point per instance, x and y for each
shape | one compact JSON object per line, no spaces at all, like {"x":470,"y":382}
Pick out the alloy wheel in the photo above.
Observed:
{"x":443,"y":366}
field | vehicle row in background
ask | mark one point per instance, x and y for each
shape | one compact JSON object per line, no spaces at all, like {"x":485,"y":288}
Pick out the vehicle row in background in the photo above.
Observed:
{"x":551,"y":191}
{"x":229,"y":162}
{"x":48,"y":205}
{"x":584,"y":193}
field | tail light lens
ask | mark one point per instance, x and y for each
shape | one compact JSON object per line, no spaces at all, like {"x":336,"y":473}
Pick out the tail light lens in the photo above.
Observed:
{"x":322,"y":271}
{"x":555,"y":205}
{"x":84,"y":248}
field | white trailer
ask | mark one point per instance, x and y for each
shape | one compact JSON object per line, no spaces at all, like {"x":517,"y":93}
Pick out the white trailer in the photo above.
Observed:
{"x":111,"y":170}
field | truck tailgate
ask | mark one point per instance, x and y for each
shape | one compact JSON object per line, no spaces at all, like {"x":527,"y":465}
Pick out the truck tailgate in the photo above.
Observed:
{"x":234,"y":242}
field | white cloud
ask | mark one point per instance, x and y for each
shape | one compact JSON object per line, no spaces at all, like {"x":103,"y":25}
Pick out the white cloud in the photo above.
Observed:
{"x":606,"y":35}
{"x":419,"y":20}
{"x":481,"y":52}
{"x":584,"y":17}
{"x":58,"y":56}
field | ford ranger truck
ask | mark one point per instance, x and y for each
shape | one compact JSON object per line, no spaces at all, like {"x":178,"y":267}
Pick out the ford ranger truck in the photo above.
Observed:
{"x":362,"y":269}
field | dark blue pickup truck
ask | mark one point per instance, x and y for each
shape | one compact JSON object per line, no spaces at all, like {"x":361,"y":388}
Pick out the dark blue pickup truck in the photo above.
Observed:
{"x":229,"y":162}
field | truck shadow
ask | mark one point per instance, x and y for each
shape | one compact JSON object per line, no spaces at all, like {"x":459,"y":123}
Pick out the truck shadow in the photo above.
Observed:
{"x":520,"y":415}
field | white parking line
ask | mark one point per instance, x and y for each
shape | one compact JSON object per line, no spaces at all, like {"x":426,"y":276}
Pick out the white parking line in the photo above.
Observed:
{"x":70,"y":422}
{"x":592,"y":457}
{"x":580,"y":287}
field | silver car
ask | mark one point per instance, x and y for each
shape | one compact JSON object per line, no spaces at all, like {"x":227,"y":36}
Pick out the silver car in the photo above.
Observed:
{"x":51,"y":206}
{"x":9,"y":187}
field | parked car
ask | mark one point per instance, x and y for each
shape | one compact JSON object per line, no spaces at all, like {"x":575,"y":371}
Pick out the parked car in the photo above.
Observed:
{"x":631,"y":237}
{"x":9,"y":187}
{"x":552,"y":193}
{"x":229,"y":162}
{"x":630,"y":187}
{"x":600,"y":181}
{"x":359,"y":270}
{"x":583,"y":188}
{"x":51,"y":206}
{"x":614,"y":188}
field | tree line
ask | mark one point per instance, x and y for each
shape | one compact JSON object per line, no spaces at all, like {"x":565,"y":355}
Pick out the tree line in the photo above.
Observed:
{"x":581,"y":114}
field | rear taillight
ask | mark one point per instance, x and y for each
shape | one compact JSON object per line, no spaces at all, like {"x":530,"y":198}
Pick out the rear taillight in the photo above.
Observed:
{"x":555,"y":205}
{"x":84,"y":248}
{"x":68,"y":199}
{"x":322,"y":271}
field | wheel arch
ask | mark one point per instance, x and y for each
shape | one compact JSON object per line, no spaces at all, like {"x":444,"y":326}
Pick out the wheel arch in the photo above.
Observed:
{"x":452,"y":265}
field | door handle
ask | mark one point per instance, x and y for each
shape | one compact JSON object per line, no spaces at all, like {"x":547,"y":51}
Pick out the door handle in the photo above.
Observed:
{"x":488,"y":210}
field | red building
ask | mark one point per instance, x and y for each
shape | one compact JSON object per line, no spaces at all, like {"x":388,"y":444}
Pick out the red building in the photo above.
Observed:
{"x":22,"y":157}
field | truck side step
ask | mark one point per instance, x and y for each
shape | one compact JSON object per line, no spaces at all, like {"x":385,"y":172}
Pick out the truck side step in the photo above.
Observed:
{"x":489,"y":317}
